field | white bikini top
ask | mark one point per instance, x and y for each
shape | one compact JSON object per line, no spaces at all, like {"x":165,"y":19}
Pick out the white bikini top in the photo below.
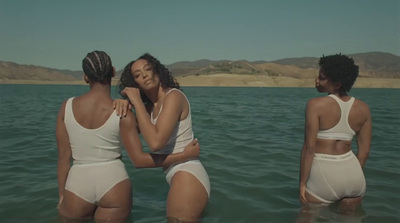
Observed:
{"x":342,"y":130}
{"x":92,"y":145}
{"x":182,"y":134}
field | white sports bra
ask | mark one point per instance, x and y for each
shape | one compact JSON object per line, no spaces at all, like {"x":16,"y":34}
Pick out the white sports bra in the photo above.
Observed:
{"x":342,"y":130}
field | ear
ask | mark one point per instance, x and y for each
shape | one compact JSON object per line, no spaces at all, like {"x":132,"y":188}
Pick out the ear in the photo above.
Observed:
{"x":86,"y":79}
{"x":337,"y":85}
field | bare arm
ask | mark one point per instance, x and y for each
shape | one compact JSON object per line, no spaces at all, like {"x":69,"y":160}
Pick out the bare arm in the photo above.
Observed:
{"x":364,"y":139}
{"x":308,"y":150}
{"x":64,"y":151}
{"x":122,"y":106}
{"x":140,"y":159}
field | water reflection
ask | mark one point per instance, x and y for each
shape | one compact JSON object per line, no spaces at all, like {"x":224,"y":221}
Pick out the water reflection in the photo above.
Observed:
{"x":337,"y":212}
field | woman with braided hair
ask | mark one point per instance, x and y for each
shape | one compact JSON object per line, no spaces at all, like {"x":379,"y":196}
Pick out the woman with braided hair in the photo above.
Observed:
{"x":89,"y":134}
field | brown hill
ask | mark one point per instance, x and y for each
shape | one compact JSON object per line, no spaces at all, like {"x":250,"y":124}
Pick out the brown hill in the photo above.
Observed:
{"x":13,"y":71}
{"x":374,"y":64}
{"x":377,"y":64}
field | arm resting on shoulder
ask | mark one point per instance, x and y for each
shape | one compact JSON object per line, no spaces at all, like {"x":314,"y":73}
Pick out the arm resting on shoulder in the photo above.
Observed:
{"x":122,"y":106}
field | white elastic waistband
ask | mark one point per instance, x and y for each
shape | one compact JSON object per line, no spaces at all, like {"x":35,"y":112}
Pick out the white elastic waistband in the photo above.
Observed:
{"x":94,"y":163}
{"x":335,"y":136}
{"x":334,"y":157}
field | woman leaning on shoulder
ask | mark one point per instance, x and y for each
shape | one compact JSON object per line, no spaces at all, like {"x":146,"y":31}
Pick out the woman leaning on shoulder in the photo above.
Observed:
{"x":89,"y":133}
{"x":164,"y":119}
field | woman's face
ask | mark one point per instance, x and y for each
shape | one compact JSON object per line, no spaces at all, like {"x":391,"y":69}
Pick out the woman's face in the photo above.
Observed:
{"x":322,"y":82}
{"x":143,"y":75}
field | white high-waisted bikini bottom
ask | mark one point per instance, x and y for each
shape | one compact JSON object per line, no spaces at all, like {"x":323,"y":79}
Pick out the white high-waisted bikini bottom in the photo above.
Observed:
{"x":195,"y":168}
{"x":333,"y":177}
{"x":92,"y":181}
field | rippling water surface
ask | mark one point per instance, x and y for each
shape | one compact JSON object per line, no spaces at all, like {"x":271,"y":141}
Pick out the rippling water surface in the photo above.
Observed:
{"x":250,"y":145}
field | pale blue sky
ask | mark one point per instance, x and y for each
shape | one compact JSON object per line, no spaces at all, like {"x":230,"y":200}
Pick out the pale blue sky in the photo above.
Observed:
{"x":58,"y":34}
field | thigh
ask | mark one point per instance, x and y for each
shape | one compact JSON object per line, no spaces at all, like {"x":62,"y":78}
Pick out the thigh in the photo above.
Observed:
{"x":187,"y":197}
{"x":75,"y":207}
{"x":349,"y":206}
{"x":116,"y":204}
{"x":310,"y":198}
{"x":310,"y":212}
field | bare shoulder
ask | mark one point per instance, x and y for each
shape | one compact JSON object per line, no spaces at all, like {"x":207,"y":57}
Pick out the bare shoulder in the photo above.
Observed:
{"x":317,"y":102}
{"x":61,"y":112}
{"x":128,"y":120}
{"x":64,"y":104}
{"x":174,"y":95}
{"x":360,"y":103}
{"x":361,"y":107}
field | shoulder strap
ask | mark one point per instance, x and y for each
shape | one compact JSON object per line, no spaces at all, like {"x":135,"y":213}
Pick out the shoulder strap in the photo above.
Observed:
{"x":68,"y":109}
{"x":163,"y":102}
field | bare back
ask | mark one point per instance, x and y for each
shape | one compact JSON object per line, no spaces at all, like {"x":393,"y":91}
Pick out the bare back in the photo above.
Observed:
{"x":92,"y":111}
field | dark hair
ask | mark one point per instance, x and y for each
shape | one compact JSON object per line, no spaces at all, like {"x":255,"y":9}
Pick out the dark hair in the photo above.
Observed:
{"x":166,"y":78}
{"x":97,"y":66}
{"x":340,"y":69}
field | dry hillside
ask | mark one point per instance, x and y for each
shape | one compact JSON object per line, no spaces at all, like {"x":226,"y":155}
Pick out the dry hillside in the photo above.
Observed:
{"x":372,"y":65}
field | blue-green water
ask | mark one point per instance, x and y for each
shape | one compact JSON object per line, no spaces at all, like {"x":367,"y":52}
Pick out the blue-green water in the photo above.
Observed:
{"x":250,"y":142}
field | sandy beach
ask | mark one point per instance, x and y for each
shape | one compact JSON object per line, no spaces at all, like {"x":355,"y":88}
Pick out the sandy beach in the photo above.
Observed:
{"x":242,"y":80}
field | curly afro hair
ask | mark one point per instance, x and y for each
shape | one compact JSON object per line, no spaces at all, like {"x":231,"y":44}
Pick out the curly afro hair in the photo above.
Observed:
{"x":166,"y":78}
{"x":340,"y":69}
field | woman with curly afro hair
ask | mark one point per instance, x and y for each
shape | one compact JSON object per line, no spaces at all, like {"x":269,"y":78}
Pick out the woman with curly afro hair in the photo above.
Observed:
{"x":330,"y":172}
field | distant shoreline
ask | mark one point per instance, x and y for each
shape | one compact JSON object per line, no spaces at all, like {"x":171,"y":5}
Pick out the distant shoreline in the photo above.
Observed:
{"x":237,"y":80}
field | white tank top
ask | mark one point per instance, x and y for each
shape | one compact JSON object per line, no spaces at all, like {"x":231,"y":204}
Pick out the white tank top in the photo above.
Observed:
{"x":182,"y":134}
{"x":93,"y":145}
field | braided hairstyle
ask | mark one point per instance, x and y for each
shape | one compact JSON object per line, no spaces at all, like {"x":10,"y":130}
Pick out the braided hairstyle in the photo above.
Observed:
{"x":98,"y":67}
{"x":166,"y":78}
{"x":340,"y":69}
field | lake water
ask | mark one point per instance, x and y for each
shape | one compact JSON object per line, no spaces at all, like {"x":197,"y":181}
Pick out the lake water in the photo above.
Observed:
{"x":250,"y":141}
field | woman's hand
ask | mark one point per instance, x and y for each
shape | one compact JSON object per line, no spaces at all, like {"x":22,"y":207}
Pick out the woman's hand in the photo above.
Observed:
{"x":133,"y":94}
{"x":303,"y":194}
{"x":60,"y":201}
{"x":121,"y":106}
{"x":192,"y":150}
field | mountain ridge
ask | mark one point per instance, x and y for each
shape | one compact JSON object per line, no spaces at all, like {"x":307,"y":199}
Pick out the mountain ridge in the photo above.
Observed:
{"x":371,"y":64}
